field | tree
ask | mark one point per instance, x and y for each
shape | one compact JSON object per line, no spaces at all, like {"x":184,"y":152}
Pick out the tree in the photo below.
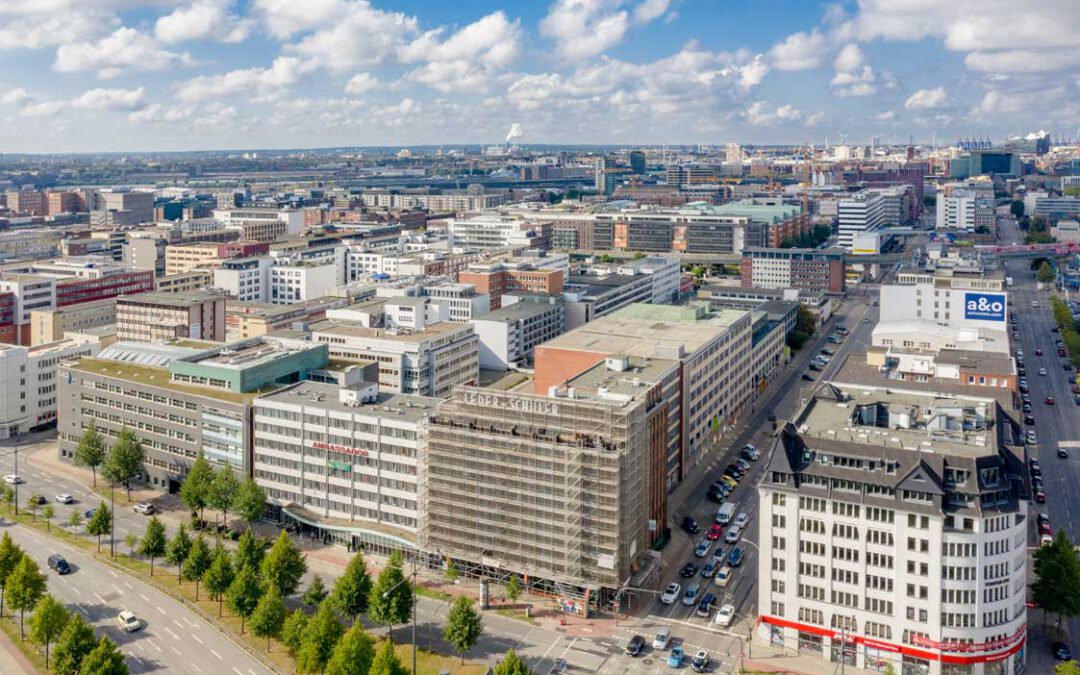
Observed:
{"x":353,"y":654}
{"x":283,"y":566}
{"x":10,"y":555}
{"x":48,"y":513}
{"x":1057,"y":578}
{"x":198,"y":562}
{"x":75,"y":642}
{"x":292,"y":633}
{"x":124,"y":460}
{"x":463,"y":625}
{"x":316,"y":592}
{"x":25,"y":587}
{"x":1016,"y":208}
{"x":223,"y":491}
{"x":511,"y":665}
{"x":250,"y":550}
{"x":1067,"y":668}
{"x":391,"y":598}
{"x":49,"y":619}
{"x":386,"y":661}
{"x":7,"y":493}
{"x":250,"y":503}
{"x":32,"y":504}
{"x":269,"y":617}
{"x":352,"y":590}
{"x":243,"y":594}
{"x":195,"y":490}
{"x":153,"y":543}
{"x":322,"y":634}
{"x":513,"y":588}
{"x":1045,"y":273}
{"x":75,"y":520}
{"x":105,"y":659}
{"x":177,"y":550}
{"x":219,"y":576}
{"x":131,"y":540}
{"x":805,"y":321}
{"x":451,"y":572}
{"x":91,"y":450}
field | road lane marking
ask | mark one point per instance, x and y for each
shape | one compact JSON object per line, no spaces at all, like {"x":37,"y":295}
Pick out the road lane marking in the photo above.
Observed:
{"x":217,"y":655}
{"x":154,"y":645}
{"x":114,"y":574}
{"x":117,"y":589}
{"x":129,"y":585}
{"x":170,"y":632}
{"x":175,"y":650}
{"x":178,"y":624}
{"x":145,"y":599}
{"x":190,"y":622}
{"x":100,"y":599}
{"x":196,"y":638}
{"x":197,"y":669}
{"x":237,"y":671}
{"x":161,"y":610}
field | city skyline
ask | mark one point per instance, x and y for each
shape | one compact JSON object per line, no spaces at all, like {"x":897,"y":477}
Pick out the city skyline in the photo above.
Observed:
{"x":129,"y":75}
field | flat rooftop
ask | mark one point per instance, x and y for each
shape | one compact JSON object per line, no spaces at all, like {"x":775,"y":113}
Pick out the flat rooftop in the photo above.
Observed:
{"x":185,"y":299}
{"x":854,"y":369}
{"x":516,"y":311}
{"x":397,"y":406}
{"x":353,"y":329}
{"x":154,"y":376}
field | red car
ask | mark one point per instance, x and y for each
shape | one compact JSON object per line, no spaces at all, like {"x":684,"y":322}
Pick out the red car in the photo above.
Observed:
{"x":1044,"y":528}
{"x":1038,"y":352}
{"x":714,"y":532}
{"x":1049,"y":400}
{"x":1040,"y":497}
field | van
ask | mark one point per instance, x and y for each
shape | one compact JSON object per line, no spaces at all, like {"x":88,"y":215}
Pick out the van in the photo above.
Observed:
{"x":725,"y":514}
{"x":58,"y":564}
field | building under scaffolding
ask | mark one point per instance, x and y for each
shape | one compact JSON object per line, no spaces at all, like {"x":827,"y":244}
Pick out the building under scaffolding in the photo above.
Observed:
{"x":566,"y":490}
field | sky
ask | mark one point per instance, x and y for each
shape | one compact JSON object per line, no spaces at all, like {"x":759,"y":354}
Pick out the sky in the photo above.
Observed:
{"x":157,"y":75}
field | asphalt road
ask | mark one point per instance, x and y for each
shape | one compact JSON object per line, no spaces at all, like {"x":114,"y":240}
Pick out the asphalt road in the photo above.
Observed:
{"x":173,"y":640}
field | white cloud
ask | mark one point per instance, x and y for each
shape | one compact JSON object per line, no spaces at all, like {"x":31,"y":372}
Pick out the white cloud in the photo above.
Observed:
{"x":849,"y":58}
{"x":466,"y":60}
{"x":110,"y":99}
{"x":650,"y":10}
{"x":758,"y":114}
{"x":753,"y":73}
{"x":815,"y":119}
{"x":202,"y":19}
{"x":263,"y":82}
{"x":1024,"y":60}
{"x":37,"y":31}
{"x":853,"y":78}
{"x":125,"y":49}
{"x":284,"y":18}
{"x":584,"y":28}
{"x":799,"y":51}
{"x":885,"y":116}
{"x":157,"y":113}
{"x":361,"y":83}
{"x":361,"y":36}
{"x":43,"y":109}
{"x":926,"y":99}
{"x":16,"y":96}
{"x":996,"y":103}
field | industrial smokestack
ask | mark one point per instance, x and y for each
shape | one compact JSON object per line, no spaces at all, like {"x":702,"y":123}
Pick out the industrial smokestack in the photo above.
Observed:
{"x":515,"y":132}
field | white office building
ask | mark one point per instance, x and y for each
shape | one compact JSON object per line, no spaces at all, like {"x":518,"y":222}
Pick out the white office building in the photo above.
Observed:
{"x":861,"y":212}
{"x":28,"y":397}
{"x":928,"y":317}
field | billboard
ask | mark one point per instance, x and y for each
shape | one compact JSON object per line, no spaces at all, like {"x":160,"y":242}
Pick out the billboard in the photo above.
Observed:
{"x":984,"y":306}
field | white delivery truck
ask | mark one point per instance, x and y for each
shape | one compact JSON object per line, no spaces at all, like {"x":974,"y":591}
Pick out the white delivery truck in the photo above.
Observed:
{"x":726,"y":513}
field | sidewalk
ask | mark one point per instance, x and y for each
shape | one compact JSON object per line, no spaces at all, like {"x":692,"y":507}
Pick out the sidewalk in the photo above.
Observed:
{"x":12,"y":661}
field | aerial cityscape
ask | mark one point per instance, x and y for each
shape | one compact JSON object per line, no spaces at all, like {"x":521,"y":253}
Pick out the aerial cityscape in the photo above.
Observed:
{"x":601,"y":336}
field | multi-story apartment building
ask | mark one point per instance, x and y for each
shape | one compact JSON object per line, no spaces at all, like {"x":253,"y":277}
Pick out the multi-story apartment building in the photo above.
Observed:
{"x":25,"y":293}
{"x":509,"y":334}
{"x":261,"y":224}
{"x":347,"y":461}
{"x":28,"y":398}
{"x":815,"y":270}
{"x":65,"y":201}
{"x":162,"y":317}
{"x":861,"y":212}
{"x":497,"y":278}
{"x":893,"y":532}
{"x":245,"y":279}
{"x":49,"y":325}
{"x":254,"y":319}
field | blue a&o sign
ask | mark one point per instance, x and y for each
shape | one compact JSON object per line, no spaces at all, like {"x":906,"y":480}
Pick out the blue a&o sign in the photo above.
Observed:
{"x":984,"y":306}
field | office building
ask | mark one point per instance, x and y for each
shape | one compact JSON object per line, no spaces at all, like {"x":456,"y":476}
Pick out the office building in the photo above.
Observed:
{"x":28,"y":399}
{"x":526,"y":275}
{"x":861,"y":212}
{"x":346,"y":462}
{"x":507,"y":335}
{"x":162,"y":317}
{"x":601,"y":289}
{"x":637,"y":161}
{"x":180,"y":258}
{"x":262,"y":224}
{"x":195,"y":280}
{"x":120,"y":206}
{"x":932,"y":317}
{"x":145,"y":251}
{"x":50,"y":325}
{"x":487,"y":232}
{"x":897,"y":532}
{"x":1056,"y":207}
{"x":806,"y":269}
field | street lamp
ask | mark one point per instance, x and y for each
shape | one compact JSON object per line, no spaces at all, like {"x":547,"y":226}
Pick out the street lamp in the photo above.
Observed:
{"x":387,"y":593}
{"x":17,"y":481}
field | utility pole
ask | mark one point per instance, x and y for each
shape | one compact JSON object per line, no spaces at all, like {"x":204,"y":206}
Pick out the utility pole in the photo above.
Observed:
{"x":17,"y":479}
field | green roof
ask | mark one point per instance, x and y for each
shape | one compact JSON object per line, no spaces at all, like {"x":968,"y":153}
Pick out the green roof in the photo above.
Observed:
{"x":159,"y":377}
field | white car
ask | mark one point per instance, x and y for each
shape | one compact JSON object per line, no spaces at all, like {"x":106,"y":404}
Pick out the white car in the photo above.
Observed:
{"x":145,"y":508}
{"x":725,"y":614}
{"x":663,"y":637}
{"x":12,"y":479}
{"x":64,"y":499}
{"x":741,"y":520}
{"x":1042,"y":371}
{"x":670,"y":594}
{"x":128,"y":622}
{"x":723,"y":576}
{"x":733,"y":535}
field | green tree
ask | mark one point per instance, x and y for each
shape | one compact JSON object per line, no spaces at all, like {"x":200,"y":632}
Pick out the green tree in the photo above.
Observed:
{"x":195,"y":490}
{"x":91,"y":450}
{"x":463,"y":625}
{"x":511,"y":665}
{"x":131,"y":540}
{"x":353,"y":654}
{"x":1067,"y":668}
{"x":316,"y":592}
{"x":269,"y":617}
{"x":198,"y":562}
{"x":283,"y":566}
{"x":391,"y":598}
{"x":10,"y":555}
{"x":1017,"y":208}
{"x":219,"y":576}
{"x":177,"y":550}
{"x":805,"y":321}
{"x":48,"y":513}
{"x":7,"y":494}
{"x":1045,"y":273}
{"x":1057,"y":578}
{"x":250,"y":550}
{"x":75,"y":520}
{"x":250,"y":501}
{"x":32,"y":504}
{"x":513,"y":588}
{"x":243,"y":594}
{"x":153,"y":542}
{"x":320,"y":637}
{"x":386,"y":661}
{"x":25,"y":587}
{"x":124,"y":460}
{"x":292,"y":633}
{"x":353,"y":588}
{"x":75,"y":642}
{"x":223,"y":491}
{"x":451,"y":574}
{"x":105,"y":659}
{"x":49,"y":619}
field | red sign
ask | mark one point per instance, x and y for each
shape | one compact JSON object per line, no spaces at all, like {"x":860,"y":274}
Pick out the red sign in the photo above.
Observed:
{"x":951,"y":646}
{"x":343,"y":449}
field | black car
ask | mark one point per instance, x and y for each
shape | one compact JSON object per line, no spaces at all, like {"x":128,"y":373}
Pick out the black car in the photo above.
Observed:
{"x":688,"y":571}
{"x":57,"y":563}
{"x":1062,"y":651}
{"x":636,"y":644}
{"x":690,"y":525}
{"x":745,"y":454}
{"x":37,"y":499}
{"x":1028,"y":419}
{"x":1063,"y":453}
{"x":1066,"y":366}
{"x":808,"y":377}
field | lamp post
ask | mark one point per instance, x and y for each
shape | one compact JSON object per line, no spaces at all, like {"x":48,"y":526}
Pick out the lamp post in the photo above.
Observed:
{"x":17,"y":479}
{"x":387,"y":593}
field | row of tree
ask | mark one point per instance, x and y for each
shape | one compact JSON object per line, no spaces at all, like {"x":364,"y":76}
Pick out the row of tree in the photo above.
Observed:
{"x":77,"y":650}
{"x":221,"y":490}
{"x":119,"y":462}
{"x":1067,"y":328}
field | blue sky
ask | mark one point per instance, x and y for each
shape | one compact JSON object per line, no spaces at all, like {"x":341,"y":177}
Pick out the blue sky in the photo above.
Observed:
{"x":131,"y":75}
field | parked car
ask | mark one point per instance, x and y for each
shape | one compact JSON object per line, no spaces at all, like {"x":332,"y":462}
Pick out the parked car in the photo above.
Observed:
{"x":1049,"y":400}
{"x":688,"y":570}
{"x":735,"y":557}
{"x":704,"y":606}
{"x":1062,"y":651}
{"x":723,"y":576}
{"x":690,"y":595}
{"x":1063,"y":453}
{"x":709,"y":569}
{"x":690,"y":525}
{"x":715,"y":530}
{"x":752,"y":449}
{"x":37,"y":499}
{"x":670,"y":594}
{"x":58,"y":564}
{"x":1040,"y":497}
{"x":636,"y":644}
{"x":741,"y":520}
{"x":700,"y":662}
{"x":808,"y":377}
{"x":663,"y":637}
{"x":675,"y":657}
{"x":733,"y":535}
{"x":725,"y":615}
{"x":13,"y":479}
{"x":702,"y":549}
